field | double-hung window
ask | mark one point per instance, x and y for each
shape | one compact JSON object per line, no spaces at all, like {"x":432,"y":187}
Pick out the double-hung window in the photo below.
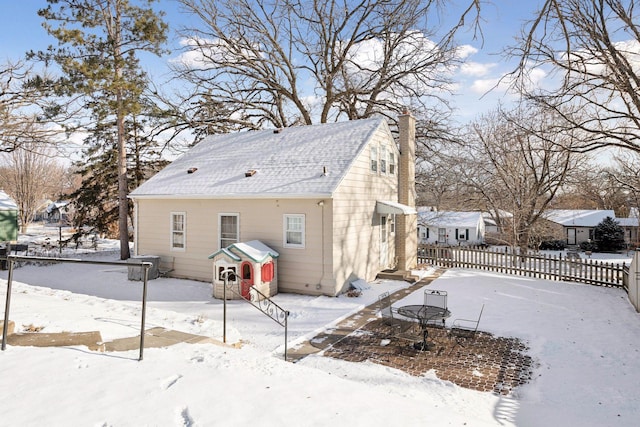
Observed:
{"x":293,"y":231}
{"x":178,"y":229}
{"x":392,"y":163}
{"x":228,"y":229}
{"x":373,"y":153}
{"x":383,"y":160}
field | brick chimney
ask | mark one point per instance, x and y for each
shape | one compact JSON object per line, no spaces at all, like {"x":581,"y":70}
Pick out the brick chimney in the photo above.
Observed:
{"x":407,"y":225}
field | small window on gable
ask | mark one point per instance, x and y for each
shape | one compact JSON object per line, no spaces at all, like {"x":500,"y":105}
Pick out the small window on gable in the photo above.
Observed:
{"x":373,"y":150}
{"x":294,"y":231}
{"x":178,"y":227}
{"x":383,"y":160}
{"x":392,"y":163}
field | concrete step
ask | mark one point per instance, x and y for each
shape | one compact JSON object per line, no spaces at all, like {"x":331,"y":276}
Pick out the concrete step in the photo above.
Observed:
{"x":93,"y":339}
{"x":11,"y":326}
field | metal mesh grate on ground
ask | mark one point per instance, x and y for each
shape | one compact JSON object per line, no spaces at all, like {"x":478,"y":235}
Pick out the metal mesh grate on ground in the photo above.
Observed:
{"x":487,"y":363}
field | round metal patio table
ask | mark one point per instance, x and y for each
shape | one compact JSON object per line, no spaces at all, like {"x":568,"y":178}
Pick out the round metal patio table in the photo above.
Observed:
{"x":424,"y":314}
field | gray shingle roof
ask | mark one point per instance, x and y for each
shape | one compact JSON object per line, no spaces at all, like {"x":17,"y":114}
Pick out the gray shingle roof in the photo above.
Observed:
{"x":578,"y":217}
{"x":448,"y":218}
{"x":287,"y":163}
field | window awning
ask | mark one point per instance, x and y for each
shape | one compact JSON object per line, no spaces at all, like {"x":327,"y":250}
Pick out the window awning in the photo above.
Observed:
{"x":387,"y":207}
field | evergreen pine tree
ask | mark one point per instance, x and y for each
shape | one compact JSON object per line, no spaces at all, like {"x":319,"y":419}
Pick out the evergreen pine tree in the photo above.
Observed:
{"x":609,"y":236}
{"x":99,"y":43}
{"x":95,"y":201}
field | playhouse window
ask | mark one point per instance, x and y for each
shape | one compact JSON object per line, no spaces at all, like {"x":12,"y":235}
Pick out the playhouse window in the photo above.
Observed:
{"x":267,"y":272}
{"x":246,"y":271}
{"x":231,"y":273}
{"x":178,"y":222}
{"x":294,"y":231}
{"x":228,"y":229}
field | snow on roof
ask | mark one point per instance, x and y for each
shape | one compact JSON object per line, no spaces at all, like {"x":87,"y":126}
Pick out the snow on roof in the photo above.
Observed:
{"x":577,"y":217}
{"x":227,"y":253}
{"x":254,"y":249}
{"x":627,"y":222}
{"x":56,"y":206}
{"x":7,"y":203}
{"x":295,"y":161}
{"x":448,"y":218}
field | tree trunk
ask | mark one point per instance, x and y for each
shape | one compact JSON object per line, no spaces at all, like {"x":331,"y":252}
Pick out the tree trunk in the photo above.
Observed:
{"x":123,"y":188}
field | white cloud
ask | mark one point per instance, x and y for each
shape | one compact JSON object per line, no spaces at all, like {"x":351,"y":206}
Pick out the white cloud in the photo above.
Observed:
{"x":476,"y":68}
{"x":482,"y":86}
{"x":466,"y":50}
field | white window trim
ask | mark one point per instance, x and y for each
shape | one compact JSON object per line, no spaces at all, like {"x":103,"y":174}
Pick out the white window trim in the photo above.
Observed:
{"x":374,"y":156}
{"x":284,"y":231}
{"x":226,"y":266}
{"x":184,"y":232}
{"x":392,"y":166}
{"x":220,"y":215}
{"x":382,"y":162}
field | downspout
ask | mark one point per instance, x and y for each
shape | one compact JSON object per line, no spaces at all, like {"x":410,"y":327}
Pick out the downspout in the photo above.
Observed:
{"x":322,"y":240}
{"x":135,"y":227}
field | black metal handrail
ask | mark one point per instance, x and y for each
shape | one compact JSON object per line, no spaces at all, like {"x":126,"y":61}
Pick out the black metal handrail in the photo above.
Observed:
{"x":260,"y":301}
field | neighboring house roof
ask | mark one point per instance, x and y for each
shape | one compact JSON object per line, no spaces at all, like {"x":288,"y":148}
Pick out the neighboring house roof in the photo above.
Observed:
{"x":578,"y":218}
{"x":448,"y":218}
{"x":627,"y":222}
{"x":299,"y":161}
{"x":254,"y":249}
{"x":7,"y":203}
{"x":56,"y":206}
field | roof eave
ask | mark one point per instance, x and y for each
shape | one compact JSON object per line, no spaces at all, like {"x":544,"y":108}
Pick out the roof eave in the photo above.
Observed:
{"x":231,"y":196}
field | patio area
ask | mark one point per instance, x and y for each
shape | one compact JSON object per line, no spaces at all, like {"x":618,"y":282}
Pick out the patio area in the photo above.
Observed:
{"x":488,"y":363}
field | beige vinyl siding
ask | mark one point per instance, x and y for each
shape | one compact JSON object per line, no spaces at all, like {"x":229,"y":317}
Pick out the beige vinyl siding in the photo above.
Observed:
{"x":299,"y":270}
{"x":356,"y":226}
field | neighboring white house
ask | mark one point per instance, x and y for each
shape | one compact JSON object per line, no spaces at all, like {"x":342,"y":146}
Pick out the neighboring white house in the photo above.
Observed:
{"x":450,"y":227}
{"x":578,"y":224}
{"x":335,"y":201}
{"x":630,"y":227}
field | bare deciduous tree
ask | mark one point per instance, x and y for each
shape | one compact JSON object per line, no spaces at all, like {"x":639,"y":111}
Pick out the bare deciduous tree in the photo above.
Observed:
{"x":516,"y":166}
{"x":595,"y":187}
{"x":30,"y":174}
{"x":591,"y":52}
{"x":19,"y":111}
{"x":284,"y":62}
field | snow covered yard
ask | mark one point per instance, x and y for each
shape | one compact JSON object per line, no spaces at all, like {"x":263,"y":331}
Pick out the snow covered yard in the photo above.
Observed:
{"x":584,"y":340}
